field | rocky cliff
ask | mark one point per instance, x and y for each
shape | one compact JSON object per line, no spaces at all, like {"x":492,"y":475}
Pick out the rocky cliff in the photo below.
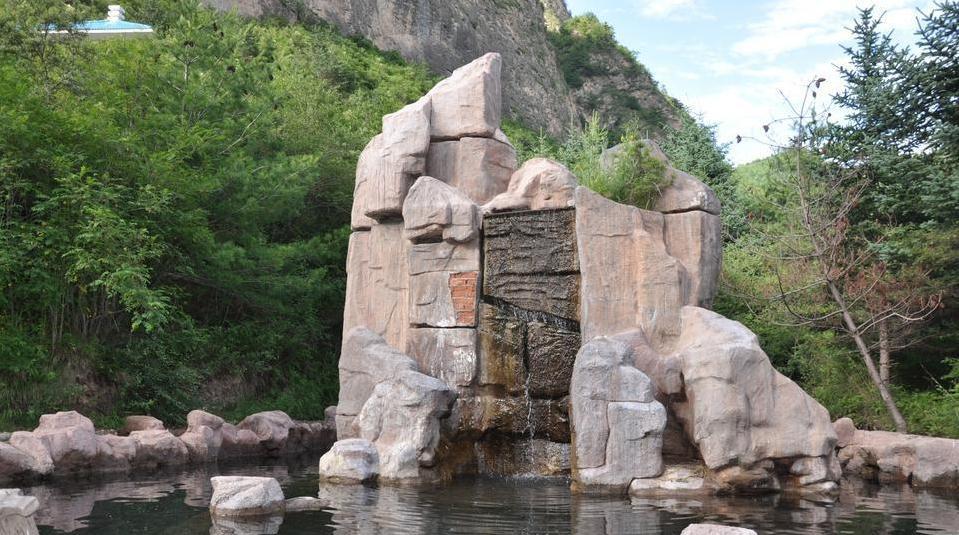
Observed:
{"x":445,"y":34}
{"x":554,"y":77}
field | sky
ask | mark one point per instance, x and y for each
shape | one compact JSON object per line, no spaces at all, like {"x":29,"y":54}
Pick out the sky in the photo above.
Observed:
{"x":734,"y":61}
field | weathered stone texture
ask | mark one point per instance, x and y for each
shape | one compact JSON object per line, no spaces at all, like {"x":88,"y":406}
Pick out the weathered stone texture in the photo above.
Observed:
{"x":434,"y":211}
{"x":442,"y":256}
{"x":550,"y":354}
{"x":469,"y":101}
{"x":443,"y":299}
{"x":479,"y":167}
{"x":739,"y":409}
{"x":629,"y":280}
{"x":540,"y":184}
{"x":246,"y":496}
{"x":897,"y":457}
{"x":530,"y":243}
{"x":502,"y":347}
{"x":377,"y":286}
{"x":365,"y":361}
{"x":447,"y":354}
{"x":696,"y":239}
{"x":617,"y":426}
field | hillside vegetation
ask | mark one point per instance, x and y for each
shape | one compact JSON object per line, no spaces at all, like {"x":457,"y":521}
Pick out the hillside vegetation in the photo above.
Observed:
{"x":175,"y":209}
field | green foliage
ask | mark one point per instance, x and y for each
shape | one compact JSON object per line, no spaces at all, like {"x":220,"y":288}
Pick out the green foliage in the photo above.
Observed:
{"x":176,"y":209}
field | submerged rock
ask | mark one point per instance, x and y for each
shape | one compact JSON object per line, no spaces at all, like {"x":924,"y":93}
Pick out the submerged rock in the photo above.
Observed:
{"x":351,"y":460}
{"x":246,"y":496}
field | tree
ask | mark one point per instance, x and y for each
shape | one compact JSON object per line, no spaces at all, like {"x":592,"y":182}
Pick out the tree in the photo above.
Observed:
{"x":840,"y":271}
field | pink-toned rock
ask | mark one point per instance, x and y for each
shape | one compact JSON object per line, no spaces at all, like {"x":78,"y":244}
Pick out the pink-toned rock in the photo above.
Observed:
{"x":540,"y":184}
{"x":18,"y":464}
{"x":845,"y":431}
{"x":390,"y":163}
{"x":695,"y":239}
{"x":377,"y":285}
{"x":617,"y":426}
{"x":158,"y":449}
{"x":115,"y":454}
{"x":241,"y":496}
{"x":30,"y":444}
{"x":70,"y":439}
{"x":628,"y":278}
{"x":238,"y":442}
{"x":402,"y":419}
{"x":739,"y":409}
{"x":435,"y":211}
{"x":478,"y":167}
{"x":469,"y":102}
{"x":885,"y":456}
{"x":366,"y":361}
{"x":272,"y":428}
{"x":203,"y":436}
{"x":140,"y":423}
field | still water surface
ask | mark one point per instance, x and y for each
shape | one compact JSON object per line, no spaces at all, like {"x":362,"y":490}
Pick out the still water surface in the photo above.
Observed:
{"x":177,"y":504}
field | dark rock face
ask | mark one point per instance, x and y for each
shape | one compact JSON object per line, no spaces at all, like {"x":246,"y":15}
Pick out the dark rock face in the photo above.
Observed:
{"x":550,"y":353}
{"x":528,"y":336}
{"x":531,"y":263}
{"x":445,"y":34}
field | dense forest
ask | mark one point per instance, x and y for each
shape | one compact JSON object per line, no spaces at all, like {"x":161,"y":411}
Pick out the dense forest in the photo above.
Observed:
{"x":175,"y":211}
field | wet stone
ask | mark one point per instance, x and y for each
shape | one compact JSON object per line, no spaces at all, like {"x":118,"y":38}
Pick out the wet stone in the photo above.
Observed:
{"x":550,"y":354}
{"x":502,"y":348}
{"x":539,"y":242}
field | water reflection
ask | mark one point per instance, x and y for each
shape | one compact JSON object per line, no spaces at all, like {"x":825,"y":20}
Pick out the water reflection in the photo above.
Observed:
{"x":177,"y":503}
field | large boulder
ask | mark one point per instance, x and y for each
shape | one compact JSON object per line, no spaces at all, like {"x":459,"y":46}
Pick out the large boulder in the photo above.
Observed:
{"x":540,"y":184}
{"x":156,"y":449}
{"x":740,"y":411}
{"x":246,"y":496}
{"x":272,"y":429}
{"x":715,"y":529}
{"x":434,"y":210}
{"x":617,"y":426}
{"x":140,"y":422}
{"x":897,"y":457}
{"x":16,"y":463}
{"x":365,"y":361}
{"x":203,"y":436}
{"x":390,"y":163}
{"x":469,"y":102}
{"x":352,"y":460}
{"x":70,"y":439}
{"x":238,"y":442}
{"x":115,"y":453}
{"x":402,"y":418}
{"x":480,"y":167}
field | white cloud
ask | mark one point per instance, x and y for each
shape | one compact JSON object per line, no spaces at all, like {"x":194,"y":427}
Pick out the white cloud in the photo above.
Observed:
{"x":789,"y":25}
{"x":670,"y":9}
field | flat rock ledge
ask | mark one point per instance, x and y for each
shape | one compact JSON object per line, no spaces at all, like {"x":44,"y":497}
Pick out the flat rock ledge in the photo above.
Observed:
{"x":887,"y":457}
{"x":66,"y":443}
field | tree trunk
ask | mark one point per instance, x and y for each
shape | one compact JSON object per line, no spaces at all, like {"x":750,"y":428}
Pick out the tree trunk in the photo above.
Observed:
{"x":867,"y":359}
{"x":884,"y":362}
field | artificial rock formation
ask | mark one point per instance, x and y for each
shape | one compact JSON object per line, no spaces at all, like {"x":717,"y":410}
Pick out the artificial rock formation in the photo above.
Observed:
{"x":66,"y":443}
{"x":16,"y":513}
{"x":617,"y":425}
{"x":895,"y":457}
{"x":558,"y":332}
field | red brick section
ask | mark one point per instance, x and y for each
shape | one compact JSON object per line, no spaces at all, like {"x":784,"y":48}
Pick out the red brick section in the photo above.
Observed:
{"x":463,"y":292}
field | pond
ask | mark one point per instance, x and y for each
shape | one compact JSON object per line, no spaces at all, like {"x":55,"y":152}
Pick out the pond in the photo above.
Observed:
{"x":177,"y":504}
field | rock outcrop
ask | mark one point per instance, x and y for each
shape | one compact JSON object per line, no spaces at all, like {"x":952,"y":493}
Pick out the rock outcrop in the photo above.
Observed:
{"x":446,"y":34}
{"x":883,"y":456}
{"x":66,"y":443}
{"x":582,"y":322}
{"x":617,"y":425}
